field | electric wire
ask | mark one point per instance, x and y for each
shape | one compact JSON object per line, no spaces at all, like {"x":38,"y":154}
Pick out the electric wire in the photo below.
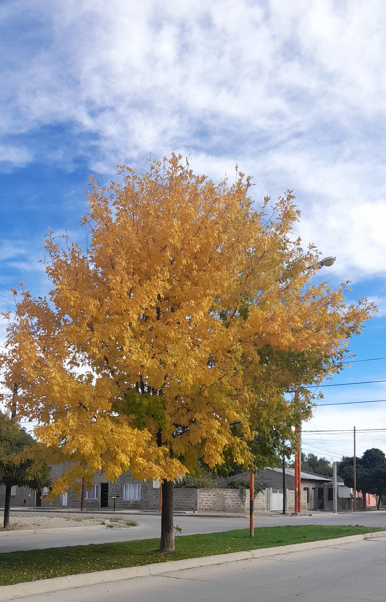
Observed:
{"x":347,"y":403}
{"x":370,"y":359}
{"x":364,"y":382}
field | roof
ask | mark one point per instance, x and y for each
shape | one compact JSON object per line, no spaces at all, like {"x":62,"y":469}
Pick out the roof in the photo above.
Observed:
{"x":308,"y":476}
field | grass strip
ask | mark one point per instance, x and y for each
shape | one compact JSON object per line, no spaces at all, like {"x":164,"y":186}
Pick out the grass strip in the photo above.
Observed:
{"x":33,"y":565}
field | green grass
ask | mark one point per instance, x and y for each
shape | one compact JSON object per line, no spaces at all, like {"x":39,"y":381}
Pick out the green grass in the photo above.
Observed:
{"x":18,"y":567}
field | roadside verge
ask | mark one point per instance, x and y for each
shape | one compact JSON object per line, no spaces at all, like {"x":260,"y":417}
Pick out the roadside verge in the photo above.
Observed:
{"x":12,"y":592}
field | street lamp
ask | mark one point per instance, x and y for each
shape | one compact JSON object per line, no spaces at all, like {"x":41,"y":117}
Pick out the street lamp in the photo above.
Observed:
{"x":326,"y":262}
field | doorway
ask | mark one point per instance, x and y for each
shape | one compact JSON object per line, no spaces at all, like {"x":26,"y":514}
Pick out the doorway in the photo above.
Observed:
{"x":104,"y":495}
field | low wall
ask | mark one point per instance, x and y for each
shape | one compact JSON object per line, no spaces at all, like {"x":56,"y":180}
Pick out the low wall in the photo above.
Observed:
{"x":221,"y":500}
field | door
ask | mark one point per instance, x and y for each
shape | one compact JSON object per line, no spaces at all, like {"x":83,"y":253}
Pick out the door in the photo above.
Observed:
{"x":64,"y":498}
{"x":277,"y":500}
{"x":104,"y":495}
{"x":38,"y":498}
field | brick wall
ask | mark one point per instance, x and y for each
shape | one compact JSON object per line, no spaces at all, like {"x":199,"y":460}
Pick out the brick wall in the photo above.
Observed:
{"x":291,"y":500}
{"x":221,"y":500}
{"x":259,"y":502}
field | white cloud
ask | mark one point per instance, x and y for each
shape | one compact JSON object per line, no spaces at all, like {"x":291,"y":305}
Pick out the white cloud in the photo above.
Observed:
{"x":295,"y":93}
{"x":18,"y":156}
{"x":335,"y":445}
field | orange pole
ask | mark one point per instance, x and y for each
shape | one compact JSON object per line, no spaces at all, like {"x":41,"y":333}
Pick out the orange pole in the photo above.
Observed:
{"x":297,"y":470}
{"x":251,"y":503}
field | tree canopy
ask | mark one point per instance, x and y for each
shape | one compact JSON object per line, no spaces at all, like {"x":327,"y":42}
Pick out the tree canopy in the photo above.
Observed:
{"x":190,"y":311}
{"x":370,"y":472}
{"x":14,"y":440}
{"x":312,"y":463}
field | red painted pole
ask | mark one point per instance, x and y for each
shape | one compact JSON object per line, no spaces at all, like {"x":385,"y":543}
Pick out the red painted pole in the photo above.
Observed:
{"x":298,"y":506}
{"x":251,"y":503}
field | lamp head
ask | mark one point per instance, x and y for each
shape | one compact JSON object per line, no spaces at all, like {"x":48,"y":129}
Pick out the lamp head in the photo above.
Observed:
{"x":327,"y":261}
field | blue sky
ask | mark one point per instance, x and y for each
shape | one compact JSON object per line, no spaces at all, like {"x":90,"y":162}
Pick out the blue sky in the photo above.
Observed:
{"x":294,"y":93}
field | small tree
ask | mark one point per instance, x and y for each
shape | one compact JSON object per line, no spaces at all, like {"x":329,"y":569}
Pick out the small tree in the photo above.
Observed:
{"x":22,"y":473}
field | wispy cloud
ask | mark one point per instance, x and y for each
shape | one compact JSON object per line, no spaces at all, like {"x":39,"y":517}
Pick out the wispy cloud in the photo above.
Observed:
{"x":293,"y":92}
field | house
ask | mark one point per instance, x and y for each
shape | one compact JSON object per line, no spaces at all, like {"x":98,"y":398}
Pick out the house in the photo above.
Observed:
{"x":316,"y":494}
{"x":127,"y":492}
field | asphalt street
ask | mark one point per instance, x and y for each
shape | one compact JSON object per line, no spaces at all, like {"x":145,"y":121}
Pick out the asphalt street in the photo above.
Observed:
{"x":150,"y":526}
{"x":354,"y":571}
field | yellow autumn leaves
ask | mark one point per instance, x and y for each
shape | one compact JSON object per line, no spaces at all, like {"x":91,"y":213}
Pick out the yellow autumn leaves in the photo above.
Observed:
{"x":185,"y":312}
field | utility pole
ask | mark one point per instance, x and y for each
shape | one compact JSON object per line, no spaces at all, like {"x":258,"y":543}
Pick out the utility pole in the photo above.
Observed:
{"x":298,"y":505}
{"x":14,"y":393}
{"x":335,"y":486}
{"x":284,"y":484}
{"x":82,"y":496}
{"x":251,"y":503}
{"x":355,"y":470}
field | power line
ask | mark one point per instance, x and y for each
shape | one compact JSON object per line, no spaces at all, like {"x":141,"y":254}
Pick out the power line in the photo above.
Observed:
{"x":370,"y":359}
{"x":364,"y":382}
{"x":344,"y":431}
{"x":347,"y":403}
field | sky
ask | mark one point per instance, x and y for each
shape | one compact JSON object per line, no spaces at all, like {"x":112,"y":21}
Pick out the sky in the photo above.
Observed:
{"x":292,"y":92}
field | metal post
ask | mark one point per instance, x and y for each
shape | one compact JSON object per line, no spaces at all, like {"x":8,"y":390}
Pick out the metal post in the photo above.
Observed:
{"x":284,"y":485}
{"x":335,"y":486}
{"x":298,"y":506}
{"x":251,"y":503}
{"x":14,"y":393}
{"x":355,"y":470}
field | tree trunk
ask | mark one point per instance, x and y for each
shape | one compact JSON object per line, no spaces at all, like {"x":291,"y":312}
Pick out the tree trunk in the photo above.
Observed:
{"x":167,"y":528}
{"x":379,"y":502}
{"x":7,"y":505}
{"x":363,"y":500}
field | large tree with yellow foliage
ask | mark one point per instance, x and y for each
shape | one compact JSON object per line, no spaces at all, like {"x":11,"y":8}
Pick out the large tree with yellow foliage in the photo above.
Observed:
{"x":189,"y":313}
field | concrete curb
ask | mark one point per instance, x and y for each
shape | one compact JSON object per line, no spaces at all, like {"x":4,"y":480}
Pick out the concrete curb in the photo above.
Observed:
{"x":14,"y":532}
{"x":33,"y":588}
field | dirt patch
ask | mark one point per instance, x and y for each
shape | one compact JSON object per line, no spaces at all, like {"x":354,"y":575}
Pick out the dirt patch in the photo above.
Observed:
{"x":21,"y":523}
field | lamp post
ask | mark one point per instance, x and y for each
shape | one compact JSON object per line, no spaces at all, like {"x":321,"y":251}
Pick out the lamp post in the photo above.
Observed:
{"x":325,"y":262}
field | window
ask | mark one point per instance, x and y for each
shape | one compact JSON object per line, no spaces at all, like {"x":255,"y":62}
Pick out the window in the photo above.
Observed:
{"x":13,"y":490}
{"x":92,"y":494}
{"x":45,"y":491}
{"x":132,"y":493}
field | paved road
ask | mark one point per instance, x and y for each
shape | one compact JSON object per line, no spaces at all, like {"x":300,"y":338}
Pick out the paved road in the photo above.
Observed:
{"x":150,"y":527}
{"x":353,"y":572}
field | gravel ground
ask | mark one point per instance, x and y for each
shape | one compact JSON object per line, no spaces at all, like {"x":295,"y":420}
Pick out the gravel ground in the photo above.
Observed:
{"x":19,"y":523}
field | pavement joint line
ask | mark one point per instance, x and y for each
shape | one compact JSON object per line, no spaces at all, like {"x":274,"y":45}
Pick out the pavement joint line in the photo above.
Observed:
{"x":44,"y":586}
